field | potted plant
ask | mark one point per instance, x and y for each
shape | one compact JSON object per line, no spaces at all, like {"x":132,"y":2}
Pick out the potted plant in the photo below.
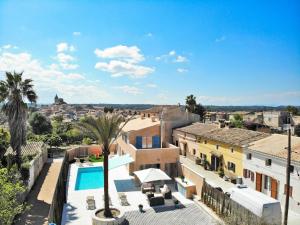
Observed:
{"x":221,"y":172}
{"x":141,"y":207}
{"x":176,"y":203}
{"x":198,"y":161}
{"x":205,"y":164}
{"x":182,"y":178}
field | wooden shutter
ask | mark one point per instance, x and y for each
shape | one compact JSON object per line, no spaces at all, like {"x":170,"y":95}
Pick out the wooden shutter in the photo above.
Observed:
{"x":274,"y":186}
{"x":245,"y":173}
{"x":258,"y":182}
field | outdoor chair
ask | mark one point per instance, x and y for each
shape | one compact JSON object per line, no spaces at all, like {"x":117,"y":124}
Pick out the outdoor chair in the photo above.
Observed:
{"x":156,"y":200}
{"x":123,"y":199}
{"x":147,"y":188}
{"x":91,"y":205}
{"x":166,"y":192}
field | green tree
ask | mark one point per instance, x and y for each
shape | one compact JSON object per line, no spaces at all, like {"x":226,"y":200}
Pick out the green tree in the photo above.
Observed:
{"x":13,"y":91}
{"x":4,"y":142}
{"x":108,"y":109}
{"x":190,"y":103}
{"x":292,"y":109}
{"x":192,"y":107}
{"x":11,"y":189}
{"x":54,"y":140}
{"x":201,"y":111}
{"x":74,"y":136}
{"x":237,"y":121}
{"x":39,"y":123}
{"x":104,"y":129}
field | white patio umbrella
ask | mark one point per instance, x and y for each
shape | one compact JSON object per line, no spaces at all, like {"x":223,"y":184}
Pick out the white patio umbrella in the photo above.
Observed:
{"x":151,"y":175}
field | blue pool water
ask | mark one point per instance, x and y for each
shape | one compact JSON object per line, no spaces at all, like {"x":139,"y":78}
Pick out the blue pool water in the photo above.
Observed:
{"x":89,"y":178}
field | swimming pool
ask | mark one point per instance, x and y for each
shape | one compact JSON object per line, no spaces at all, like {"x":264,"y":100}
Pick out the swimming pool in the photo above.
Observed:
{"x":89,"y":178}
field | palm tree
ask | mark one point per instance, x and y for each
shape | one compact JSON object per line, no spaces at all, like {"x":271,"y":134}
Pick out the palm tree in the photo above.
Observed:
{"x":13,"y":92}
{"x":190,"y":103}
{"x":105,"y":129}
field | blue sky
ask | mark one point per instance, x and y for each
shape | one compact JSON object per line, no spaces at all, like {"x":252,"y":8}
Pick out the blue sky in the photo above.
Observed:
{"x":223,"y":52}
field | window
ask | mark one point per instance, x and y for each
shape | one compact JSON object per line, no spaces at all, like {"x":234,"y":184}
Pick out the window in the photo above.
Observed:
{"x":202,"y":156}
{"x":245,"y":173}
{"x":231,"y":166}
{"x":194,"y":151}
{"x":291,"y":190}
{"x":217,"y":146}
{"x":267,"y":182}
{"x":249,"y":156}
{"x":252,"y":176}
{"x":205,"y":142}
{"x":268,"y":162}
{"x":231,"y":150}
{"x":176,"y":143}
{"x":148,"y":115}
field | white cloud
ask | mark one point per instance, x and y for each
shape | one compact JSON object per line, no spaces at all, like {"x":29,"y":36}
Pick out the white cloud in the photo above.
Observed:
{"x":120,"y":68}
{"x":151,"y":85}
{"x":48,"y":79}
{"x":64,"y":46}
{"x":171,"y":53}
{"x":8,"y":46}
{"x":121,"y":52}
{"x":65,"y":60}
{"x":129,"y":89}
{"x":220,"y":39}
{"x":76,"y":33}
{"x":172,"y":56}
{"x":149,"y":34}
{"x":124,"y":61}
{"x":180,"y":59}
{"x":182,"y":70}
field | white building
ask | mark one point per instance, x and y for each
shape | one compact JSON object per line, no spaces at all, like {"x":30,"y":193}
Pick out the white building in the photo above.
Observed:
{"x":265,"y":168}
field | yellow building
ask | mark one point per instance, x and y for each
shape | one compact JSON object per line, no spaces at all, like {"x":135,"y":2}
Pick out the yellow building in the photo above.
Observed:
{"x":216,"y":147}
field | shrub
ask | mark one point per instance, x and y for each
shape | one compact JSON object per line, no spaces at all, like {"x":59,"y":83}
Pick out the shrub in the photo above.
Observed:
{"x":10,"y":191}
{"x":25,"y":167}
{"x":87,"y":141}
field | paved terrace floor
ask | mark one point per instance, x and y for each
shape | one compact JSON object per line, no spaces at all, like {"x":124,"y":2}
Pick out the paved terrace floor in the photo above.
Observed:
{"x":41,"y":194}
{"x":76,"y":213}
{"x":209,"y":176}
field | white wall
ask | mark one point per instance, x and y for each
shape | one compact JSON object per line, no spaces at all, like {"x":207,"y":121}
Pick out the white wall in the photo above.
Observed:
{"x":36,"y":166}
{"x":278,"y":171}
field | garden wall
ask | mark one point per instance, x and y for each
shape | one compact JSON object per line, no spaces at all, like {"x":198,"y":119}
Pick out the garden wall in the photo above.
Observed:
{"x":36,"y":165}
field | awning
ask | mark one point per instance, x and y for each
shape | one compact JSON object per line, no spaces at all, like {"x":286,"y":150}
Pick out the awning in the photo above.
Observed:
{"x":151,"y":175}
{"x":216,"y":153}
{"x":118,"y":161}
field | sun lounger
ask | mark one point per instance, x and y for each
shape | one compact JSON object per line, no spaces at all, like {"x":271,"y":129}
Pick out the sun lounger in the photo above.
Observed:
{"x":90,"y":201}
{"x":147,"y":188}
{"x":123,"y":199}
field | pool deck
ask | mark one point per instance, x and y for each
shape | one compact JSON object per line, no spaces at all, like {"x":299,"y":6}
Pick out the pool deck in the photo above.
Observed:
{"x":75,"y":212}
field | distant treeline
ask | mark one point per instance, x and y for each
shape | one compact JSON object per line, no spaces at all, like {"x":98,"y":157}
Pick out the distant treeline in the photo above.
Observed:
{"x":253,"y":108}
{"x":212,"y":108}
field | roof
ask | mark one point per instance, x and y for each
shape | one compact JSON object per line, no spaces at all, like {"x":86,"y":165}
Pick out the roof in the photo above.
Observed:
{"x":139,"y":124}
{"x":30,"y":149}
{"x":251,"y":199}
{"x":276,"y":145}
{"x":158,"y":109}
{"x":198,"y":128}
{"x":234,"y":136}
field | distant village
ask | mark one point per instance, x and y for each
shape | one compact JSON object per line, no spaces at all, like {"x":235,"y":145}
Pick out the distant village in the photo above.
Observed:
{"x":270,"y":121}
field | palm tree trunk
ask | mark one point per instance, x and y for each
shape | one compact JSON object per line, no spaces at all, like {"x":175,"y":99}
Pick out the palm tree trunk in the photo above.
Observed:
{"x":18,"y":157}
{"x":107,"y":212}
